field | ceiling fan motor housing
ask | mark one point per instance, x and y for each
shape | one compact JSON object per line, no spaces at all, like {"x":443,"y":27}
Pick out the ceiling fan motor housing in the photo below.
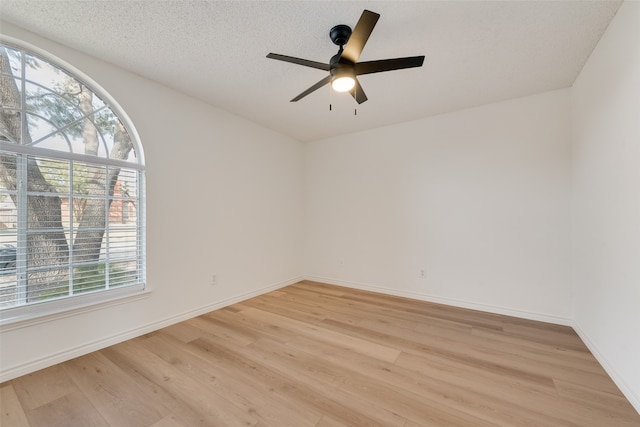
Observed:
{"x":340,"y":69}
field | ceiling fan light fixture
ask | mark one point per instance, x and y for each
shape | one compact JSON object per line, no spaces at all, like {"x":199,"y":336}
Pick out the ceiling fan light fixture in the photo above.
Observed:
{"x":343,"y":83}
{"x":343,"y":78}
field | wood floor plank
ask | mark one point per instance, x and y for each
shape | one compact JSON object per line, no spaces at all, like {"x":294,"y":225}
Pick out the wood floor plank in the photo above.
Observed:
{"x":183,"y":331}
{"x":31,"y":392}
{"x":378,"y":394}
{"x":375,"y":350}
{"x":179,"y":406}
{"x":301,"y":387}
{"x":411,"y":385}
{"x":11,"y":411}
{"x":533,"y":334}
{"x":317,"y":355}
{"x":515,"y":401}
{"x":440,"y":347}
{"x":113,"y":393}
{"x":613,"y":403}
{"x":73,"y":409}
{"x":213,"y":408}
{"x":291,"y":308}
{"x":212,"y":326}
{"x":169,"y":421}
{"x":254,"y":400}
{"x":433,"y":380}
{"x":327,"y":421}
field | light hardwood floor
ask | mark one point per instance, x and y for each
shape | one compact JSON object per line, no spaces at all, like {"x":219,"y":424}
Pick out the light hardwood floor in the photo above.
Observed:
{"x":318,"y":355}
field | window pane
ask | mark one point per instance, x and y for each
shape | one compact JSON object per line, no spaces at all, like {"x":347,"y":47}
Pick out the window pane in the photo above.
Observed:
{"x":8,"y":231}
{"x":12,"y":130}
{"x":15,"y":61}
{"x":47,"y":75}
{"x":40,"y":128}
{"x":59,"y":109}
{"x":47,"y":263}
{"x":56,"y":173}
{"x":8,"y":243}
{"x":11,"y":66}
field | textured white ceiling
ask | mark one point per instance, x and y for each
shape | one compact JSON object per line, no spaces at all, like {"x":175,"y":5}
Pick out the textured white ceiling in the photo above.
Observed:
{"x":477,"y":52}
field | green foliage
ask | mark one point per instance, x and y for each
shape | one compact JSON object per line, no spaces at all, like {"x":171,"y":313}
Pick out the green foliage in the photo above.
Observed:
{"x":86,"y":279}
{"x":94,"y":277}
{"x":50,"y":292}
{"x":61,"y":107}
{"x":56,"y":172}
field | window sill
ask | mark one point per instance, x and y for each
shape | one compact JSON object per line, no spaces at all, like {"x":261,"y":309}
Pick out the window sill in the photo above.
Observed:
{"x":21,"y":317}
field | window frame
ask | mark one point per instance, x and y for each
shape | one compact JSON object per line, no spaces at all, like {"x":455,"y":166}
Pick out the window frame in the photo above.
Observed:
{"x":42,"y":311}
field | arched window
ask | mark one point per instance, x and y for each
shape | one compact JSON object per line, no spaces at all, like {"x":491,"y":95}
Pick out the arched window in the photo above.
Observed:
{"x":71,"y":187}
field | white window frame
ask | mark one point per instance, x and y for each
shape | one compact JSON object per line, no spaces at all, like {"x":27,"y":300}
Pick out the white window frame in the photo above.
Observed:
{"x":25,"y":315}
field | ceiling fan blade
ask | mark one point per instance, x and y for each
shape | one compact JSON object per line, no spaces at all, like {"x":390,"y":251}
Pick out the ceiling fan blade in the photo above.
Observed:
{"x":299,"y":61}
{"x":360,"y":35}
{"x":369,"y":67}
{"x":312,"y":88}
{"x":357,"y":93}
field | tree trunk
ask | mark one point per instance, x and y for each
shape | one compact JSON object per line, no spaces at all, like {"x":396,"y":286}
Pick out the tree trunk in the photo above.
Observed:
{"x":92,"y":225}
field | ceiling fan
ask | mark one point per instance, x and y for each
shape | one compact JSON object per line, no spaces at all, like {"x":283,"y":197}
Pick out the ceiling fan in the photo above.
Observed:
{"x":344,"y":67}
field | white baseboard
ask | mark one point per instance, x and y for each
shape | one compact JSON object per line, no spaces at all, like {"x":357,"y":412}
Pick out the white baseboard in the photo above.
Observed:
{"x":631,"y":396}
{"x":63,"y":356}
{"x":542,"y":317}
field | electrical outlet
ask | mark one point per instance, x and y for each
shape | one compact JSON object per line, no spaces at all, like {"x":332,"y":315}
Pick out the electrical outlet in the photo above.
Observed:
{"x":422,"y":274}
{"x":214,"y":280}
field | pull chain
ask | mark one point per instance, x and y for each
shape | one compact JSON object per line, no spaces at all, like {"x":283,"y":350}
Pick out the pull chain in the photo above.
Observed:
{"x":355,"y":98}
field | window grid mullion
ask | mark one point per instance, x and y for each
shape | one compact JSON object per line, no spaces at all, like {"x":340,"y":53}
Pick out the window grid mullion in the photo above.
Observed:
{"x":106,"y":226}
{"x":22,"y":198}
{"x":21,"y":235}
{"x":71,"y":237}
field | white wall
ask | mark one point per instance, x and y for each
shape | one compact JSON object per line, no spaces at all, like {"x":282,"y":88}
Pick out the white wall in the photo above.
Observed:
{"x":606,"y":203}
{"x":224,"y":196}
{"x":478,"y":198}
